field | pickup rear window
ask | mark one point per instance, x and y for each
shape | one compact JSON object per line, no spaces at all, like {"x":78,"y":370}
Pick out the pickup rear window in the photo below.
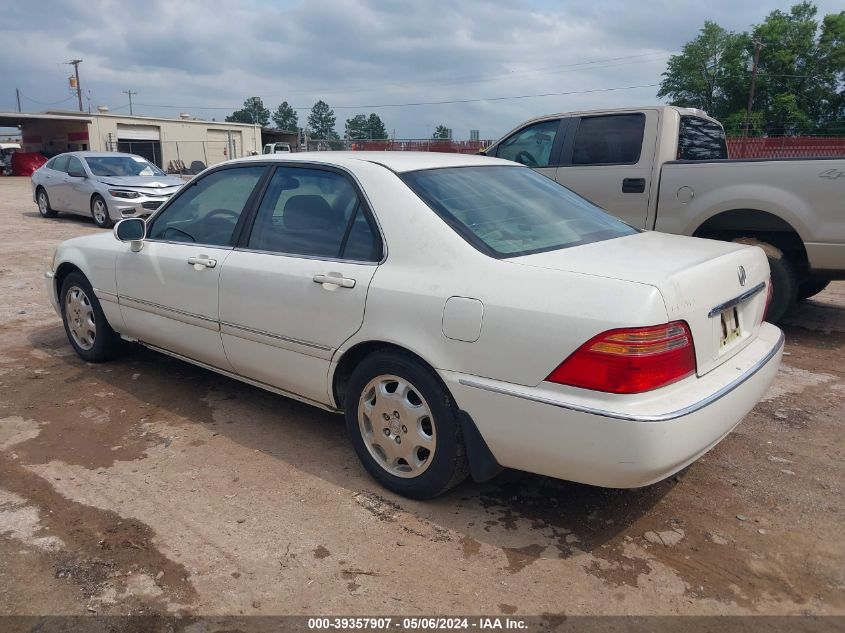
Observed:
{"x":700,"y":139}
{"x":511,"y":211}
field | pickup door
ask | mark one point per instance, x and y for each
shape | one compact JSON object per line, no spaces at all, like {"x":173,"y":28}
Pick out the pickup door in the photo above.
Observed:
{"x":609,"y":159}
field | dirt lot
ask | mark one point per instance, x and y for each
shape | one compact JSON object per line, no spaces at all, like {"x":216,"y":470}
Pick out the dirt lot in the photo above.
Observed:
{"x":147,"y":485}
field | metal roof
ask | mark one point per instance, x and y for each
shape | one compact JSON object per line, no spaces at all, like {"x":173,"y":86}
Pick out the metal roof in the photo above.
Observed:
{"x":14,"y":119}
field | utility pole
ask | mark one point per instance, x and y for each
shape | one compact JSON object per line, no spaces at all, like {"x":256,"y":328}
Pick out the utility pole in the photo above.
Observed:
{"x":18,"y":96}
{"x":75,"y":63}
{"x":757,"y":46}
{"x":130,"y":93}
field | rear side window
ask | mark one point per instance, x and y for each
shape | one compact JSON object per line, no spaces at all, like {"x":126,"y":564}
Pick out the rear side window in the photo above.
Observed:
{"x":700,"y":139}
{"x":532,"y":146}
{"x":511,"y":211}
{"x":609,"y":140}
{"x":313,"y":213}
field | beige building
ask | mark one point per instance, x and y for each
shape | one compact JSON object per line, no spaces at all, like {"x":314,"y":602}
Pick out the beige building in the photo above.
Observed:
{"x":166,"y":142}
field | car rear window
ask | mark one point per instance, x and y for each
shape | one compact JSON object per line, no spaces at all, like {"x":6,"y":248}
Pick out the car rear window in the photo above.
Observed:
{"x":700,"y":139}
{"x":510,"y":211}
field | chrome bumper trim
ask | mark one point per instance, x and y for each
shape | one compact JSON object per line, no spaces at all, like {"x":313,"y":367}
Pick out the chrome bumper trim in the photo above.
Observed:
{"x":717,"y":310}
{"x":660,"y":417}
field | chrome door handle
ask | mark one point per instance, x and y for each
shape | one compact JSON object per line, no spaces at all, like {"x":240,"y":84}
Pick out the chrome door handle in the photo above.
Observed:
{"x":334,"y":279}
{"x":203,"y":261}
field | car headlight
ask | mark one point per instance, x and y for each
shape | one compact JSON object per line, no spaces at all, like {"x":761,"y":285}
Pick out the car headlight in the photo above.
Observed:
{"x":123,"y":193}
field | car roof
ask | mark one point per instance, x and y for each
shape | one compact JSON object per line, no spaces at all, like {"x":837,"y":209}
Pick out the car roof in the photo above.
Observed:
{"x":90,"y":154}
{"x":398,"y":162}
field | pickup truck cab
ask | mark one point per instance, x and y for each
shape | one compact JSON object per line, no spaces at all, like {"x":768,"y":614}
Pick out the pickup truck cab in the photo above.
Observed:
{"x":667,"y":169}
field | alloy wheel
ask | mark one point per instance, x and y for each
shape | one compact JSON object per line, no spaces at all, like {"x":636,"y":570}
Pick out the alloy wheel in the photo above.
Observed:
{"x":397,"y":426}
{"x":101,"y":214}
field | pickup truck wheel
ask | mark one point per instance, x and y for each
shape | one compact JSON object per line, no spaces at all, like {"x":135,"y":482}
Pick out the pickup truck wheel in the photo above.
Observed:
{"x":784,"y":285}
{"x":811,"y":288}
{"x":404,"y":426}
{"x":44,"y":207}
{"x":86,"y":326}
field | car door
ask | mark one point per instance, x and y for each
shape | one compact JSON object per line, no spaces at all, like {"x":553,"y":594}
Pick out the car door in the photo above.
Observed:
{"x":55,"y":180}
{"x":295,"y":287}
{"x":168,"y":290}
{"x":609,"y":161}
{"x":77,"y":189}
{"x":537,"y":145}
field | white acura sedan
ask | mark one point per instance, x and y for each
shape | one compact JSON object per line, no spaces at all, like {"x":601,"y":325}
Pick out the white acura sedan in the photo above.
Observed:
{"x":464,"y":313}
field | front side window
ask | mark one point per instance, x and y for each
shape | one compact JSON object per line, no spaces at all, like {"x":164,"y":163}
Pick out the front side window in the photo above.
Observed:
{"x":206,"y":212}
{"x":511,"y":211}
{"x":74,"y":165}
{"x":117,"y":166}
{"x":61,"y":163}
{"x":700,"y":139}
{"x":314,"y":213}
{"x":531,"y":146}
{"x":609,"y":140}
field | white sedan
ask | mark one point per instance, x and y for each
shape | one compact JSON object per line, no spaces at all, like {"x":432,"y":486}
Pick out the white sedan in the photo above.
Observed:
{"x":464,"y":313}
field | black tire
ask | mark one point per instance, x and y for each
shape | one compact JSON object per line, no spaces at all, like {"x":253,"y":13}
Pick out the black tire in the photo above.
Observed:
{"x":811,"y":288}
{"x":101,"y":217}
{"x":784,"y":285}
{"x":105,"y":344}
{"x":448,"y":464}
{"x":43,"y":201}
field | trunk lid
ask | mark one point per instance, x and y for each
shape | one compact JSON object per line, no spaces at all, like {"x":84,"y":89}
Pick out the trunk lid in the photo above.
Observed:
{"x":698,"y":280}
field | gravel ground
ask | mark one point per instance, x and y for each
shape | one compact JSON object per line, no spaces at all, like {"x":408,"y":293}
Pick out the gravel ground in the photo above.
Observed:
{"x":147,"y":485}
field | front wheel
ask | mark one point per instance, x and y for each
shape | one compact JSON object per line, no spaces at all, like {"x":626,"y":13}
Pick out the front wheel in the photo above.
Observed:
{"x":404,"y":426}
{"x":100,"y":212}
{"x":85,"y":323}
{"x":44,"y":207}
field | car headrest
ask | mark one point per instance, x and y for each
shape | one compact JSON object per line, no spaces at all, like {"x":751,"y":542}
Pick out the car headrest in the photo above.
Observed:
{"x":308,"y":212}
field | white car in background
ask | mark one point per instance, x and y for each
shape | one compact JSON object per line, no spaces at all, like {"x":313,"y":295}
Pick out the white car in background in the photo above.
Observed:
{"x":108,"y":186}
{"x":464,"y":313}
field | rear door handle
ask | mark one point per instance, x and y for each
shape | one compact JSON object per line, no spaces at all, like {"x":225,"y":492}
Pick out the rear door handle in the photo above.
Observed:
{"x":334,"y":279}
{"x":203,"y":261}
{"x":633,"y":185}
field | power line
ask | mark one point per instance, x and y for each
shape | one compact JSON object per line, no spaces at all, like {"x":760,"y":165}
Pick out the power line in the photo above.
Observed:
{"x":47,"y":104}
{"x":417,"y":103}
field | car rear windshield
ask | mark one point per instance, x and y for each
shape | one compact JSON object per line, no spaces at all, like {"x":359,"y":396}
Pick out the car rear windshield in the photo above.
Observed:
{"x":700,"y":139}
{"x":510,"y":211}
{"x":121,"y":166}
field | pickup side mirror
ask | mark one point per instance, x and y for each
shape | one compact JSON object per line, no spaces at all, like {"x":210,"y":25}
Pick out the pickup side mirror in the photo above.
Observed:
{"x":132,"y":230}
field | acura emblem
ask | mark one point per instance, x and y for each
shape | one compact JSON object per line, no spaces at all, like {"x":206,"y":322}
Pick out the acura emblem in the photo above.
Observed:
{"x":740,"y":272}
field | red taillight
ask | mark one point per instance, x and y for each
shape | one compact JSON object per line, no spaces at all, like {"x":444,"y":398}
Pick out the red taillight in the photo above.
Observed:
{"x":630,"y":360}
{"x":768,"y":299}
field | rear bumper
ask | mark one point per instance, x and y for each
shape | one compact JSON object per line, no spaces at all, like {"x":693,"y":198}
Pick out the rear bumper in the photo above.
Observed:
{"x":613,"y":441}
{"x":826,"y":259}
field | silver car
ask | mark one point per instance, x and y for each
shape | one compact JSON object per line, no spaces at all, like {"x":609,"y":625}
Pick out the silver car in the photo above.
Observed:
{"x":108,"y":186}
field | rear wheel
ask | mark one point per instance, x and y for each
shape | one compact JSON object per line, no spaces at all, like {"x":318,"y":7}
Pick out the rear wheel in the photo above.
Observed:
{"x":100,"y":212}
{"x":404,"y":426}
{"x":784,"y":279}
{"x":44,"y":207}
{"x":811,"y":288}
{"x":85,"y":323}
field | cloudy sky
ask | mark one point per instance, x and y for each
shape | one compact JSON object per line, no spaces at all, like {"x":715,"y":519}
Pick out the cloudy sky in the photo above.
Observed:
{"x":206,"y":57}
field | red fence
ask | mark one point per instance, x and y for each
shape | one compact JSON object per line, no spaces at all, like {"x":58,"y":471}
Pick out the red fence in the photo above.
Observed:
{"x":786,"y":147}
{"x":420,"y":145}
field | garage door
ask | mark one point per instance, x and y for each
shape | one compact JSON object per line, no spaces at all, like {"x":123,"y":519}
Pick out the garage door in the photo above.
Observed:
{"x":218,"y":146}
{"x":143,"y":140}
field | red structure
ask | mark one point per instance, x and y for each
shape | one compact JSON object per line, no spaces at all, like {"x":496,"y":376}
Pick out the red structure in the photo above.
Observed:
{"x":787,"y":147}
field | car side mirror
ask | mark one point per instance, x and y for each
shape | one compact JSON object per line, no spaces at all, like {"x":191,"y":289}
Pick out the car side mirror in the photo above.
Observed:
{"x":77,"y":174}
{"x":132,"y":230}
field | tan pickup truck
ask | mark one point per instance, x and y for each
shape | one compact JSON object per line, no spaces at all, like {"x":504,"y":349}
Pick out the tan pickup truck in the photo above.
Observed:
{"x":667,"y":169}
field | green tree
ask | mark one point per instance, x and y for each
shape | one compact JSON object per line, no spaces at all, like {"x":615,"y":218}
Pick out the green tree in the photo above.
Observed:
{"x":800,"y":86}
{"x":376,"y":127}
{"x":442,"y":132}
{"x":709,"y":73}
{"x":321,"y":122}
{"x":285,"y":117}
{"x":252,"y":112}
{"x":357,"y":127}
